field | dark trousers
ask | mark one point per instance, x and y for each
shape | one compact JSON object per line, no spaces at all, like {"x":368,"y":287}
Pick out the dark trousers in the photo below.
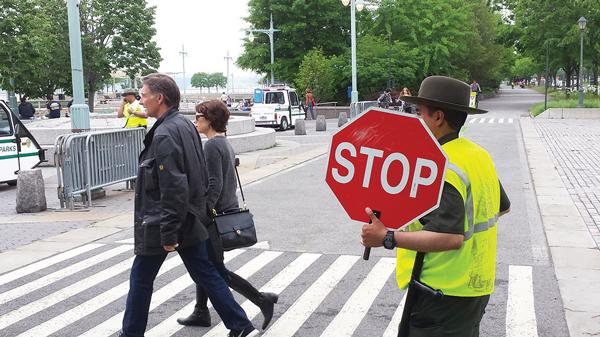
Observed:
{"x":203,"y":272}
{"x":450,"y":317}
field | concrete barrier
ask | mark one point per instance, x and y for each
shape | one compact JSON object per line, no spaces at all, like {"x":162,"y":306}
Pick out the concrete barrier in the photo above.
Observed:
{"x":573,"y":113}
{"x":300,"y":128}
{"x":343,"y":119}
{"x":31,"y":197}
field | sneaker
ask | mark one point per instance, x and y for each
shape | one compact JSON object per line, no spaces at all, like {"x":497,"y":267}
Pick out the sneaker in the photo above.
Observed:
{"x":248,"y":332}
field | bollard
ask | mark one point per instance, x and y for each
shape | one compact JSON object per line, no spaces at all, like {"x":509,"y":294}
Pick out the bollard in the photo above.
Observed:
{"x":300,"y":127}
{"x":31,"y":194}
{"x":321,"y":124}
{"x":342,"y":119}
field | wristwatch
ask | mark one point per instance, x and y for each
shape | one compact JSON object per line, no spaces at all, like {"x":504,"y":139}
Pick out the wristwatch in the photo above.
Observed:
{"x":388,"y":240}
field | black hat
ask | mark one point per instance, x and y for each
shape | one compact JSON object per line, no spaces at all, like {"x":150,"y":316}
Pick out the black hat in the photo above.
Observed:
{"x":444,"y":92}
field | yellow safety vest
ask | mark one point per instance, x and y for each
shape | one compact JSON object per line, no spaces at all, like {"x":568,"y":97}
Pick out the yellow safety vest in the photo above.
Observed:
{"x":134,"y":121}
{"x":471,"y":270}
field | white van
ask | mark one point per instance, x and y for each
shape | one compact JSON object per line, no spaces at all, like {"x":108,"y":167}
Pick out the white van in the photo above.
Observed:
{"x":18,"y":149}
{"x":278,"y":107}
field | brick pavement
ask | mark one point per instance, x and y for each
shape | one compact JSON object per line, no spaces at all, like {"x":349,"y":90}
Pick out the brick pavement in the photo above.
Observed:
{"x":573,"y":146}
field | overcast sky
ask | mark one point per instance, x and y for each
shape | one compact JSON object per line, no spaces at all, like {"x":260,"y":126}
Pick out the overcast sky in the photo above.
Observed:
{"x":208,"y":29}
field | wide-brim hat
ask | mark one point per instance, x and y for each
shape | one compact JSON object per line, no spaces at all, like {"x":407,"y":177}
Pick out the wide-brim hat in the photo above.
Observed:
{"x":444,"y":92}
{"x":130,"y":91}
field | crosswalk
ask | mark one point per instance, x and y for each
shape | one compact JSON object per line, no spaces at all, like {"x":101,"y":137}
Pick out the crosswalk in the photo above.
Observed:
{"x":489,"y":120}
{"x":82,"y":293}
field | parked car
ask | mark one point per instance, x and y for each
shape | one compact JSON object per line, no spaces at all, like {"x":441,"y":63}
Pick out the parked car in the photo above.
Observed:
{"x":277,"y":106}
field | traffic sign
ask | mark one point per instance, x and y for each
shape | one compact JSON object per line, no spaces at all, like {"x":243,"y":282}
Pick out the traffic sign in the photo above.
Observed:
{"x":388,"y":161}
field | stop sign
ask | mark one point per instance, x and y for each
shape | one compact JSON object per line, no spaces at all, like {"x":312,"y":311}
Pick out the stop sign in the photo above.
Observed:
{"x":390,"y":162}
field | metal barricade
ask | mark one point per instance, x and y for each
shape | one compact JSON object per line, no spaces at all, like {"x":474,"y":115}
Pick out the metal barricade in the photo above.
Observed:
{"x":358,"y":107}
{"x":89,"y":161}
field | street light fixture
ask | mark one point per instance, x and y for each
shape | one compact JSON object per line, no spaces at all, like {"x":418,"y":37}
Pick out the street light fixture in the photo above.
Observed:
{"x":269,"y":32}
{"x":359,"y":6}
{"x":581,"y":22}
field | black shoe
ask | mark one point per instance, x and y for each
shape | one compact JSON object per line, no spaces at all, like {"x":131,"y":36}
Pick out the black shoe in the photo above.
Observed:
{"x":266,"y":302}
{"x":248,"y":332}
{"x":200,"y":317}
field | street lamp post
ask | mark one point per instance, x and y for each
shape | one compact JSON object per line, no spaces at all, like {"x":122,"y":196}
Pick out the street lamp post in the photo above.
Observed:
{"x":581,"y":22}
{"x":359,"y":5}
{"x":183,"y":55}
{"x":269,"y":32}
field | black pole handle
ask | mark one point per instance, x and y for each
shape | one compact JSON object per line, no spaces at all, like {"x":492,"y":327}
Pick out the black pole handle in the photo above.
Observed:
{"x":367,"y":252}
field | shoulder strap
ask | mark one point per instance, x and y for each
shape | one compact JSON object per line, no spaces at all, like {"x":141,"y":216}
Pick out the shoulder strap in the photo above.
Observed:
{"x":240,"y":183}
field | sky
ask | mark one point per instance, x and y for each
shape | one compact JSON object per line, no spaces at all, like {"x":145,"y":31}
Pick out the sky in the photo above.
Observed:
{"x":207,"y":29}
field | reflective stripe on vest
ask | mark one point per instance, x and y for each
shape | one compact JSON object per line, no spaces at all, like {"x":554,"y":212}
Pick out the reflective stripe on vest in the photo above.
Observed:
{"x":478,"y":227}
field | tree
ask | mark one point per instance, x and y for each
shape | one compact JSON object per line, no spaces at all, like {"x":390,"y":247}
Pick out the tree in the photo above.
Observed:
{"x":316,"y":73}
{"x":304,"y":25}
{"x":217,"y":80}
{"x":200,"y":80}
{"x":116,"y":35}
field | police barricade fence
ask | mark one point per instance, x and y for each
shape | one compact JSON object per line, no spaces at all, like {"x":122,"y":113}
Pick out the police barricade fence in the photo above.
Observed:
{"x":358,"y":107}
{"x":89,"y":161}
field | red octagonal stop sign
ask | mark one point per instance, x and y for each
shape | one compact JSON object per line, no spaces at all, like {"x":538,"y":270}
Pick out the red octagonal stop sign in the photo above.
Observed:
{"x":387,"y":161}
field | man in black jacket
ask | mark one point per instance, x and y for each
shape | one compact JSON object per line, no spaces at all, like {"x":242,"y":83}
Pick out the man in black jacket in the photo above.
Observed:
{"x":171,"y":212}
{"x":26,"y":109}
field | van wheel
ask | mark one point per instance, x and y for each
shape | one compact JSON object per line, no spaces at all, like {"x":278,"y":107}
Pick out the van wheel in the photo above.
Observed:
{"x":284,"y":124}
{"x":12,"y":183}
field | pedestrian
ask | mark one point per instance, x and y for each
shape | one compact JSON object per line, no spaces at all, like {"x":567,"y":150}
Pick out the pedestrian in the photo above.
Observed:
{"x":459,"y":237}
{"x":26,"y":109}
{"x":477,"y":89}
{"x":211,"y":120}
{"x":171,"y":212}
{"x":310,"y":103}
{"x":406,"y":106}
{"x":69,"y":104}
{"x":132,"y":110}
{"x":228,"y":101}
{"x":385,"y":99}
{"x":224,"y":97}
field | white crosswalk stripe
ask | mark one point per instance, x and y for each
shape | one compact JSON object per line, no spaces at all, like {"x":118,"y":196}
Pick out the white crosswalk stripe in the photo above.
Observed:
{"x":306,"y":282}
{"x":489,"y":120}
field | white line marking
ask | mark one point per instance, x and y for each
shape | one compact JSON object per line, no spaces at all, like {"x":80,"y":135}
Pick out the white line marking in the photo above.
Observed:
{"x":520,"y":310}
{"x":473,"y":120}
{"x":492,"y":120}
{"x":355,"y":309}
{"x":127,"y":241}
{"x":510,"y":120}
{"x":296,"y":315}
{"x":501,"y":120}
{"x":276,"y":285}
{"x":113,"y":324}
{"x":392,"y":329}
{"x":60,"y":274}
{"x":481,"y":121}
{"x":32,"y":268}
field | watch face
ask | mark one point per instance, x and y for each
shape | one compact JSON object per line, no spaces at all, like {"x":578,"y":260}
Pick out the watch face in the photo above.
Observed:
{"x":388,"y":240}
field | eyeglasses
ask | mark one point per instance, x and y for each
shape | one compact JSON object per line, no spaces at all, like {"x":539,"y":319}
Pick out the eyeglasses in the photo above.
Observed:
{"x":199,"y":116}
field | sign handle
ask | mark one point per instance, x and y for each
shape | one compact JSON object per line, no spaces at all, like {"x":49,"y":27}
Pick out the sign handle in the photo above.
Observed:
{"x":367,"y":252}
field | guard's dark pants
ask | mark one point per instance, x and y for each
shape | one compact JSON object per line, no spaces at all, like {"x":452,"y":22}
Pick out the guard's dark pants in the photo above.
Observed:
{"x":450,"y":317}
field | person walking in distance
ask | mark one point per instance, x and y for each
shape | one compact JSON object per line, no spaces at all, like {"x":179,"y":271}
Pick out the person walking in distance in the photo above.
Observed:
{"x":406,"y":106}
{"x":171,"y":212}
{"x":385,"y":99}
{"x":457,"y":241}
{"x":211,"y":120}
{"x":310,"y":102}
{"x":477,"y":89}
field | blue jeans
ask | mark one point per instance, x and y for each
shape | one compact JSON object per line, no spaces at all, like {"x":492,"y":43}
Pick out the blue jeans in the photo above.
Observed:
{"x":310,"y":106}
{"x":203,"y":272}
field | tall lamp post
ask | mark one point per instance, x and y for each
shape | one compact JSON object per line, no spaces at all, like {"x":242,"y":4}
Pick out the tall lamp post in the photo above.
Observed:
{"x":581,"y":22}
{"x":359,"y":5}
{"x":269,"y":32}
{"x":183,"y":55}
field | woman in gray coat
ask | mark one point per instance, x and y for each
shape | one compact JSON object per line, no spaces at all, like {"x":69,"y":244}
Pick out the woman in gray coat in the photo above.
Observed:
{"x":211,"y":120}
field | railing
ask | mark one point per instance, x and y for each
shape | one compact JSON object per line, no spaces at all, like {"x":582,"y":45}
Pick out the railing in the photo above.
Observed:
{"x":358,"y":107}
{"x":89,"y":161}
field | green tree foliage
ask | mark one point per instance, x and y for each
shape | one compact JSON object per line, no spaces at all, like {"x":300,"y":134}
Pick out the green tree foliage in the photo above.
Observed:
{"x":317,"y":73}
{"x":200,"y":80}
{"x":217,"y":80}
{"x":304,"y":25}
{"x":35,"y":52}
{"x":116,"y":35}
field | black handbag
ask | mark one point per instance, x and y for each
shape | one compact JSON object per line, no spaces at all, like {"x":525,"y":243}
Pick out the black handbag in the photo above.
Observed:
{"x":236,"y":228}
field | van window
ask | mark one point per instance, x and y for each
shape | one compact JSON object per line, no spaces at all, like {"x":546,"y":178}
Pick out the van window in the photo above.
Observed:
{"x":294,"y":99}
{"x":5,"y":127}
{"x":274,"y":97}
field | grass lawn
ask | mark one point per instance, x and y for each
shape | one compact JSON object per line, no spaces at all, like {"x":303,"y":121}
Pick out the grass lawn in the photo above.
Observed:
{"x":557,"y":99}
